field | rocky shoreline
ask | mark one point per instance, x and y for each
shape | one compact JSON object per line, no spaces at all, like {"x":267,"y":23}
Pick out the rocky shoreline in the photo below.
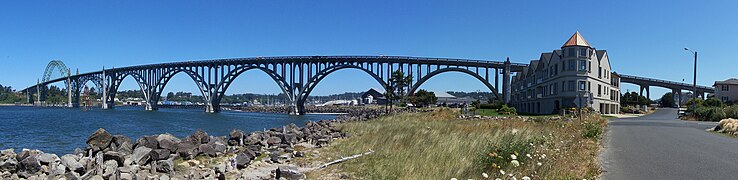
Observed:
{"x":257,"y":155}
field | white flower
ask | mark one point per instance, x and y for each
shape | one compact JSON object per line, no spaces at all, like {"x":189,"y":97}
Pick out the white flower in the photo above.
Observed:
{"x":539,"y":164}
{"x":498,"y":179}
{"x":502,"y":172}
{"x":515,"y":163}
{"x":485,"y":175}
{"x":514,"y":131}
{"x":543,"y":156}
{"x":453,"y":179}
{"x":513,"y":156}
{"x":528,"y":155}
{"x":525,"y":178}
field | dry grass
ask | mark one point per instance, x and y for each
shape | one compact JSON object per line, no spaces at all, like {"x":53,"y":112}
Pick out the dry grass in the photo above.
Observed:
{"x":437,"y":145}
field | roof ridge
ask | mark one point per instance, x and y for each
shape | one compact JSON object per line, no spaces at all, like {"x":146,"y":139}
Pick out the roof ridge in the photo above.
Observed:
{"x":576,"y":40}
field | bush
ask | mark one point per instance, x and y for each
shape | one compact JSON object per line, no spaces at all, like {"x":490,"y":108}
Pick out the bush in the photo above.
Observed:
{"x":713,"y":102}
{"x":731,"y":111}
{"x":592,"y":130}
{"x":495,"y":105}
{"x":506,"y":110}
{"x":499,"y":154}
{"x":710,"y":113}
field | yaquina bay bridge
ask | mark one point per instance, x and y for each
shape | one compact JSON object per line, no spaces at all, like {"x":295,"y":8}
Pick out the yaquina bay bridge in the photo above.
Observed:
{"x":297,"y":76}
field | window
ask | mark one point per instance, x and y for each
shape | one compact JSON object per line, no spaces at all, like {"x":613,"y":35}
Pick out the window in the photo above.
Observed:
{"x":555,"y":88}
{"x":724,"y":98}
{"x":599,"y":90}
{"x":551,"y":89}
{"x":582,"y":65}
{"x":725,"y":88}
{"x":583,"y":52}
{"x":572,"y":86}
{"x":582,"y":86}
{"x":563,"y":86}
{"x":599,"y":72}
{"x":556,"y":69}
{"x":571,"y":52}
{"x":563,"y":65}
{"x":572,"y":65}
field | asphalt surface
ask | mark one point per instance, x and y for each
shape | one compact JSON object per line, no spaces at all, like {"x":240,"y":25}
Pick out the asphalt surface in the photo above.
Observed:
{"x":660,"y":146}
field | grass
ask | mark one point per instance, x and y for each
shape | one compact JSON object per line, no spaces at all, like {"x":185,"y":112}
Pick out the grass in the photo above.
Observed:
{"x":437,"y":145}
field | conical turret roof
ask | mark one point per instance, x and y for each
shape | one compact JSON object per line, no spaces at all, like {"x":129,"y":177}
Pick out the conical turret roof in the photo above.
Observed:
{"x":576,"y":40}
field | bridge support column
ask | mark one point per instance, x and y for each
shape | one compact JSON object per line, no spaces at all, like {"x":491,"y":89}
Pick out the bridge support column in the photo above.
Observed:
{"x":212,"y":108}
{"x":648,"y":92}
{"x":677,"y":96}
{"x":506,"y":81}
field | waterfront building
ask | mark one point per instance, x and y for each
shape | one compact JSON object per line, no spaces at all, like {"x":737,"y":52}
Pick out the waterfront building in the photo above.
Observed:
{"x":373,"y":96}
{"x":552,"y":82}
{"x":726,"y":91}
{"x":446,"y":99}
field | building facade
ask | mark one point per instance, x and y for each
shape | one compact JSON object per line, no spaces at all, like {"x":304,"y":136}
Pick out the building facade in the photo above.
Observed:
{"x":726,"y":91}
{"x":552,"y":82}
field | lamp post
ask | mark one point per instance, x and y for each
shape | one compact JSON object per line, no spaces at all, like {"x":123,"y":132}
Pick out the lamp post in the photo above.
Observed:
{"x":694,"y":85}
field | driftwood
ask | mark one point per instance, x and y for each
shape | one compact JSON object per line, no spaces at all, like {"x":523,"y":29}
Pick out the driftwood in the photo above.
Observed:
{"x":344,"y":159}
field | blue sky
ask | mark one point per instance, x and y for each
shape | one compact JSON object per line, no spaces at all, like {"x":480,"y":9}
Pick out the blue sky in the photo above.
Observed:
{"x":642,"y":37}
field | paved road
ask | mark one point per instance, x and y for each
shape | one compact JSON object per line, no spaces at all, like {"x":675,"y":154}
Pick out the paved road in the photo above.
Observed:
{"x":659,"y":146}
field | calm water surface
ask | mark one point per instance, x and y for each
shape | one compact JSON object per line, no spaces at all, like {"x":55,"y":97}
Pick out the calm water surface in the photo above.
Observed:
{"x":61,"y":130}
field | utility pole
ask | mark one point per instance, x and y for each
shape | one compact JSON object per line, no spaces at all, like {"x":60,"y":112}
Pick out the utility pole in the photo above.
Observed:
{"x":694,"y":81}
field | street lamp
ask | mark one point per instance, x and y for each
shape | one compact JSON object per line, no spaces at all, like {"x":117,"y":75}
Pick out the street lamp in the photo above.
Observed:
{"x":694,"y":85}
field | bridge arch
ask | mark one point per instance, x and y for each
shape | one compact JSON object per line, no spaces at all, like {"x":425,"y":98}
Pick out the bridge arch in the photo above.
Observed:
{"x":162,"y":82}
{"x":425,"y":78}
{"x":229,"y":78}
{"x":318,"y":77}
{"x":55,"y":65}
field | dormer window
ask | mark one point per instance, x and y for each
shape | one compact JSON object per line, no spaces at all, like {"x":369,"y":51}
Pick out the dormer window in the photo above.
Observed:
{"x":571,"y":52}
{"x":583,"y":52}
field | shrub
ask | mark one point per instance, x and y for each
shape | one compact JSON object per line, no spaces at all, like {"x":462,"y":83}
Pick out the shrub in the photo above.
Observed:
{"x":731,"y":111}
{"x":709,"y":113}
{"x":506,"y":110}
{"x":592,"y":130}
{"x":499,"y":154}
{"x":713,"y":102}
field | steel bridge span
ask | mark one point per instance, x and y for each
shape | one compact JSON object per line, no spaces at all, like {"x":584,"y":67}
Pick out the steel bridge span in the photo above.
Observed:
{"x":297,"y":76}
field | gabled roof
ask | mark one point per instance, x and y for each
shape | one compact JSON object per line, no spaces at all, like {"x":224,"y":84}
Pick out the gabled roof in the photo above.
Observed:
{"x":533,"y":66}
{"x":442,"y":94}
{"x":546,"y":57}
{"x":731,"y":81}
{"x":576,"y":40}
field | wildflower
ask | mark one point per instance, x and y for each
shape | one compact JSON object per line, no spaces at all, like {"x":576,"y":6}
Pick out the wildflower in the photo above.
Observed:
{"x":502,"y":172}
{"x":539,"y":163}
{"x":515,"y":131}
{"x":515,"y":163}
{"x":543,"y":156}
{"x":525,"y":178}
{"x":485,"y":175}
{"x":453,"y":179}
{"x":528,"y":155}
{"x":513,"y":156}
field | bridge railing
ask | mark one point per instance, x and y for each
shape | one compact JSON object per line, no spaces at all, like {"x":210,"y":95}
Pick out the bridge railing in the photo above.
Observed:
{"x":662,"y":81}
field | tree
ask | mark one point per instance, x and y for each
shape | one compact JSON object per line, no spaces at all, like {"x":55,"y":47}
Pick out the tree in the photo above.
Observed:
{"x":423,"y":98}
{"x":632,"y":98}
{"x":170,"y":95}
{"x":667,"y":100}
{"x":397,"y":84}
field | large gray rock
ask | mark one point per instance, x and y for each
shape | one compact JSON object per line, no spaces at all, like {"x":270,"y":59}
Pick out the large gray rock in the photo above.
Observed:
{"x":199,"y":137}
{"x":125,"y":148}
{"x":8,"y":153}
{"x":187,"y":150}
{"x":169,"y":137}
{"x":141,"y":155}
{"x":9,"y":165}
{"x":168,"y":145}
{"x":71,"y":175}
{"x":116,"y":156}
{"x":147,"y":141}
{"x":159,"y":154}
{"x":120,"y":139}
{"x":99,"y":140}
{"x":235,"y":138}
{"x":111,"y":167}
{"x":26,"y":153}
{"x":165,"y":166}
{"x":289,"y":172}
{"x":70,"y":161}
{"x":47,"y":158}
{"x":58,"y":169}
{"x":208,"y":150}
{"x":243,"y":160}
{"x":273,"y":141}
{"x":30,"y":165}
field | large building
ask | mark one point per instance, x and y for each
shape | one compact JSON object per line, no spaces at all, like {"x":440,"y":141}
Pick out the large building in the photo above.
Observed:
{"x":553,"y":81}
{"x":726,"y":91}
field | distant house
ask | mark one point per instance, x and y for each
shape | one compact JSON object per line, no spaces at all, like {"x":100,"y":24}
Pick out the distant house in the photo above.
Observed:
{"x":373,"y":96}
{"x":726,"y":91}
{"x":450,"y":100}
